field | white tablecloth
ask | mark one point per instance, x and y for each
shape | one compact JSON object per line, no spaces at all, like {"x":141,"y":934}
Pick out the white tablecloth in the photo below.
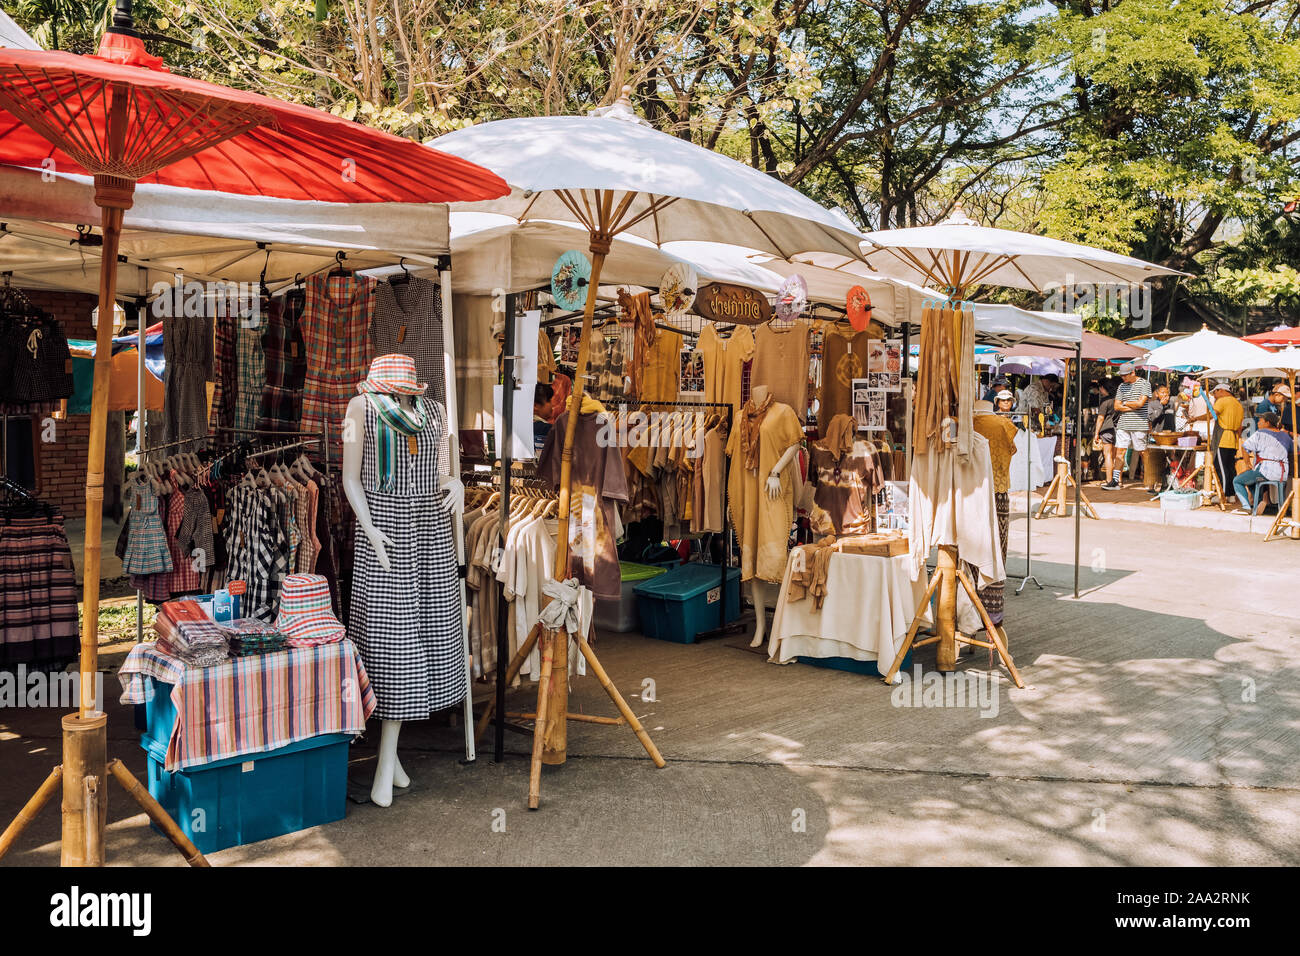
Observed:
{"x":869,"y":605}
{"x":1041,"y":467}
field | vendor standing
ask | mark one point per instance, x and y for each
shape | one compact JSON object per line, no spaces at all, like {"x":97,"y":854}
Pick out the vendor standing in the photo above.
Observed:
{"x":1228,"y":414}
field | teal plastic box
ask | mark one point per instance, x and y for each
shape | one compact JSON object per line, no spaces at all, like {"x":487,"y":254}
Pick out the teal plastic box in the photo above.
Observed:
{"x":257,"y":796}
{"x":686,"y":601}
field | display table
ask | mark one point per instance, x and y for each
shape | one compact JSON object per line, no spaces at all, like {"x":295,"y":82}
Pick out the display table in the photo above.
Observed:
{"x":249,"y":705}
{"x":870,"y":602}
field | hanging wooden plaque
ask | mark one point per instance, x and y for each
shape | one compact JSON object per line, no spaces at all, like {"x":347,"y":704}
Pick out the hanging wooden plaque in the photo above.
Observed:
{"x":722,"y":302}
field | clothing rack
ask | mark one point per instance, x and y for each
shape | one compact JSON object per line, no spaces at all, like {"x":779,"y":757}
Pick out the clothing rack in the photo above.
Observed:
{"x":726,"y":512}
{"x":320,"y":436}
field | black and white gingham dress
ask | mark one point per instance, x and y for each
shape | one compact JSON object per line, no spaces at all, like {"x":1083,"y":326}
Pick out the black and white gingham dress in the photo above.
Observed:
{"x":408,"y":320}
{"x":407,"y":621}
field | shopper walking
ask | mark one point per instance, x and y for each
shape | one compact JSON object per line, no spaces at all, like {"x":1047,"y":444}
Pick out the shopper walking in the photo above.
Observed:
{"x":1132,"y":423}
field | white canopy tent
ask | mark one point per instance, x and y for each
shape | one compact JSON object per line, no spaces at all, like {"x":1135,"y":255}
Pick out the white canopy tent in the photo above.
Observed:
{"x":215,"y":237}
{"x":206,"y":236}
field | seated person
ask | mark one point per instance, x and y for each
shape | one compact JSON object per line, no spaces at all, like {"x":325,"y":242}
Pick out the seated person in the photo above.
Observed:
{"x":1269,"y":451}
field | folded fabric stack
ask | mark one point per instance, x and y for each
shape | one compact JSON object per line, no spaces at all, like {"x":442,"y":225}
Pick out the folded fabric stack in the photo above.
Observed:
{"x":306,"y":616}
{"x":249,"y":636}
{"x":189,"y":635}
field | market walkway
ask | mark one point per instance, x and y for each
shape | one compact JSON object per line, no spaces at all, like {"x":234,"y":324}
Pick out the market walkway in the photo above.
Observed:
{"x":1160,"y":724}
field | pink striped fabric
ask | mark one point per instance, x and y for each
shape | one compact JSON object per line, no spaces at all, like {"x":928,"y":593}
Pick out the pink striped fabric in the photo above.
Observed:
{"x":251,"y":705}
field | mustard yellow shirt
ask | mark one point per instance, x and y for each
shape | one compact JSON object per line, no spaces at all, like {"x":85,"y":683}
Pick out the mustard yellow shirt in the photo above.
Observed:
{"x":1231,"y":415}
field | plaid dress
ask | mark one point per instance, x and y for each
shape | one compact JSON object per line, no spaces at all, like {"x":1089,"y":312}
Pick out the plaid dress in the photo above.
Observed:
{"x":335,"y":326}
{"x":406,"y":622}
{"x":222,"y":414}
{"x":146,"y":545}
{"x":250,"y":374}
{"x":286,"y":365}
{"x":184,"y":576}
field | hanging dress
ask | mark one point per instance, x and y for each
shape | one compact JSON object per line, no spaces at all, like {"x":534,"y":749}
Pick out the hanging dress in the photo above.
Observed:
{"x":406,"y":622}
{"x":188,"y":350}
{"x":408,"y":320}
{"x":335,"y":328}
{"x":286,"y":365}
{"x":146,"y":546}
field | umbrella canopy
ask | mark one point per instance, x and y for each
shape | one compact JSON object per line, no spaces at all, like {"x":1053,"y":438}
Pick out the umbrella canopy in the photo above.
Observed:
{"x":185,"y":132}
{"x":1275,"y":365}
{"x":676,"y":190}
{"x":1032,"y":365}
{"x":1094,"y":348}
{"x":1206,"y":349}
{"x":960,"y":254}
{"x":1276,"y":338}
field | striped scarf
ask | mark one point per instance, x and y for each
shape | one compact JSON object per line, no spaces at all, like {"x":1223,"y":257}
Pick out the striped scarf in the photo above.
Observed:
{"x":393,"y":417}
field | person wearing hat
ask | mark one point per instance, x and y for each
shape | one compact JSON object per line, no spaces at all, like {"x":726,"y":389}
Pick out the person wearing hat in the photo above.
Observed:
{"x":1280,"y":396}
{"x":1229,"y":415}
{"x":407,"y":607}
{"x":1132,"y":422}
{"x":1001,"y":435}
{"x":998,"y":384}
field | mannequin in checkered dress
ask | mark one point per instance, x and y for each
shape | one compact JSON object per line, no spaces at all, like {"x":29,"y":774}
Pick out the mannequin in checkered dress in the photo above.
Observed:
{"x":406,"y":612}
{"x":408,"y":320}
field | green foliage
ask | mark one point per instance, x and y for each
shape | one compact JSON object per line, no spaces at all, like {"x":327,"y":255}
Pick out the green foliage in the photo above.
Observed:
{"x":1278,"y":286}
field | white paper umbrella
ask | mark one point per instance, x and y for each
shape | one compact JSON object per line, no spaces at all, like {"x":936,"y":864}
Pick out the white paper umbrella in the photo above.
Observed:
{"x":960,"y":254}
{"x":558,"y":166}
{"x":1207,"y":349}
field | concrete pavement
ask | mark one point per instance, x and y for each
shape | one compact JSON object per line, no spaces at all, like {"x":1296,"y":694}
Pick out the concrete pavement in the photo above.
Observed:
{"x":1160,"y":724}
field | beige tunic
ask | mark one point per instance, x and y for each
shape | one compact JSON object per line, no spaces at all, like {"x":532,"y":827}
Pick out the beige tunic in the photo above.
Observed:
{"x":762,"y":523}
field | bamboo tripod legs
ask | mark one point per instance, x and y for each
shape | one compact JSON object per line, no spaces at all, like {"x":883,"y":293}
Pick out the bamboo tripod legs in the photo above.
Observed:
{"x":542,"y":717}
{"x":1054,"y":498}
{"x":1287,"y":523}
{"x":134,"y":789}
{"x":994,"y":642}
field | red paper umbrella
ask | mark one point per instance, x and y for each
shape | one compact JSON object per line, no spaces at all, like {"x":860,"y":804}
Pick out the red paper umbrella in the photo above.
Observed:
{"x":120,"y":117}
{"x":121,"y":114}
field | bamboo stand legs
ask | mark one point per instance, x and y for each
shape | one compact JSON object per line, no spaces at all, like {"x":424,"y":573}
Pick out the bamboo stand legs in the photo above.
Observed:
{"x":1055,"y":496}
{"x":84,"y":779}
{"x":938,"y":581}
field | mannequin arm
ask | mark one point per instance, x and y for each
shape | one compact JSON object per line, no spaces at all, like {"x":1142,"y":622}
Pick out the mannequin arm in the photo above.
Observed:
{"x":774,"y":479}
{"x":354,"y":434}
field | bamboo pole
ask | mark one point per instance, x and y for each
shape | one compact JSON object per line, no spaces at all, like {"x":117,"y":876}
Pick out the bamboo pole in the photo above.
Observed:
{"x":85,"y":745}
{"x":29,"y":812}
{"x":156,"y":813}
{"x":539,"y":728}
{"x":946,"y":619}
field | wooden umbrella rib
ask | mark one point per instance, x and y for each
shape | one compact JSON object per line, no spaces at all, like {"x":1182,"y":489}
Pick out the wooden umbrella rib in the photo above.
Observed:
{"x":1011,"y":261}
{"x":617,"y":218}
{"x":572,"y":205}
{"x":775,"y":245}
{"x":523,"y":216}
{"x":656,"y":204}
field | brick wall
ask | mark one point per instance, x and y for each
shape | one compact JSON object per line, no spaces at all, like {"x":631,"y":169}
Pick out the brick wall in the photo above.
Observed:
{"x":61,"y":464}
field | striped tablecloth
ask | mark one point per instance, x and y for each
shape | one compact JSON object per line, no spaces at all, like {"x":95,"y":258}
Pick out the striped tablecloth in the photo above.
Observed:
{"x":253,"y":704}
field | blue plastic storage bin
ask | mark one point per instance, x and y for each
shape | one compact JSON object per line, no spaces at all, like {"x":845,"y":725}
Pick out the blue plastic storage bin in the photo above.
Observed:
{"x":254,"y":797}
{"x":870,"y":668}
{"x":685,"y":602}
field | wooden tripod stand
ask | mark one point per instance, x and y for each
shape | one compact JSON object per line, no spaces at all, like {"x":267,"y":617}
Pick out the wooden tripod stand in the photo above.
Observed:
{"x":948,"y":574}
{"x":605,"y":215}
{"x":1287,"y":523}
{"x":1054,"y":498}
{"x":84,"y":776}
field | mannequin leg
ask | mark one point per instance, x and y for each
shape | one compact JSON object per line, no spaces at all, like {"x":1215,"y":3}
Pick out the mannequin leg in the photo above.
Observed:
{"x":400,"y":778}
{"x":381,"y":791}
{"x":758,"y":593}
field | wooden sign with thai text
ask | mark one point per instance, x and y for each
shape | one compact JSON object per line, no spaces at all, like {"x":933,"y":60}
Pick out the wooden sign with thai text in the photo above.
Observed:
{"x":722,"y":302}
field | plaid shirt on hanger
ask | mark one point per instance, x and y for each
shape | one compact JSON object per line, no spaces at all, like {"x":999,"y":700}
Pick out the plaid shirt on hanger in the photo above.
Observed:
{"x":286,"y":365}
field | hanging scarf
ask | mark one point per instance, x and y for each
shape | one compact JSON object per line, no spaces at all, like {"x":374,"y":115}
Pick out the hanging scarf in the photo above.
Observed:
{"x":840,"y":436}
{"x":749,"y":426}
{"x":393,"y":417}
